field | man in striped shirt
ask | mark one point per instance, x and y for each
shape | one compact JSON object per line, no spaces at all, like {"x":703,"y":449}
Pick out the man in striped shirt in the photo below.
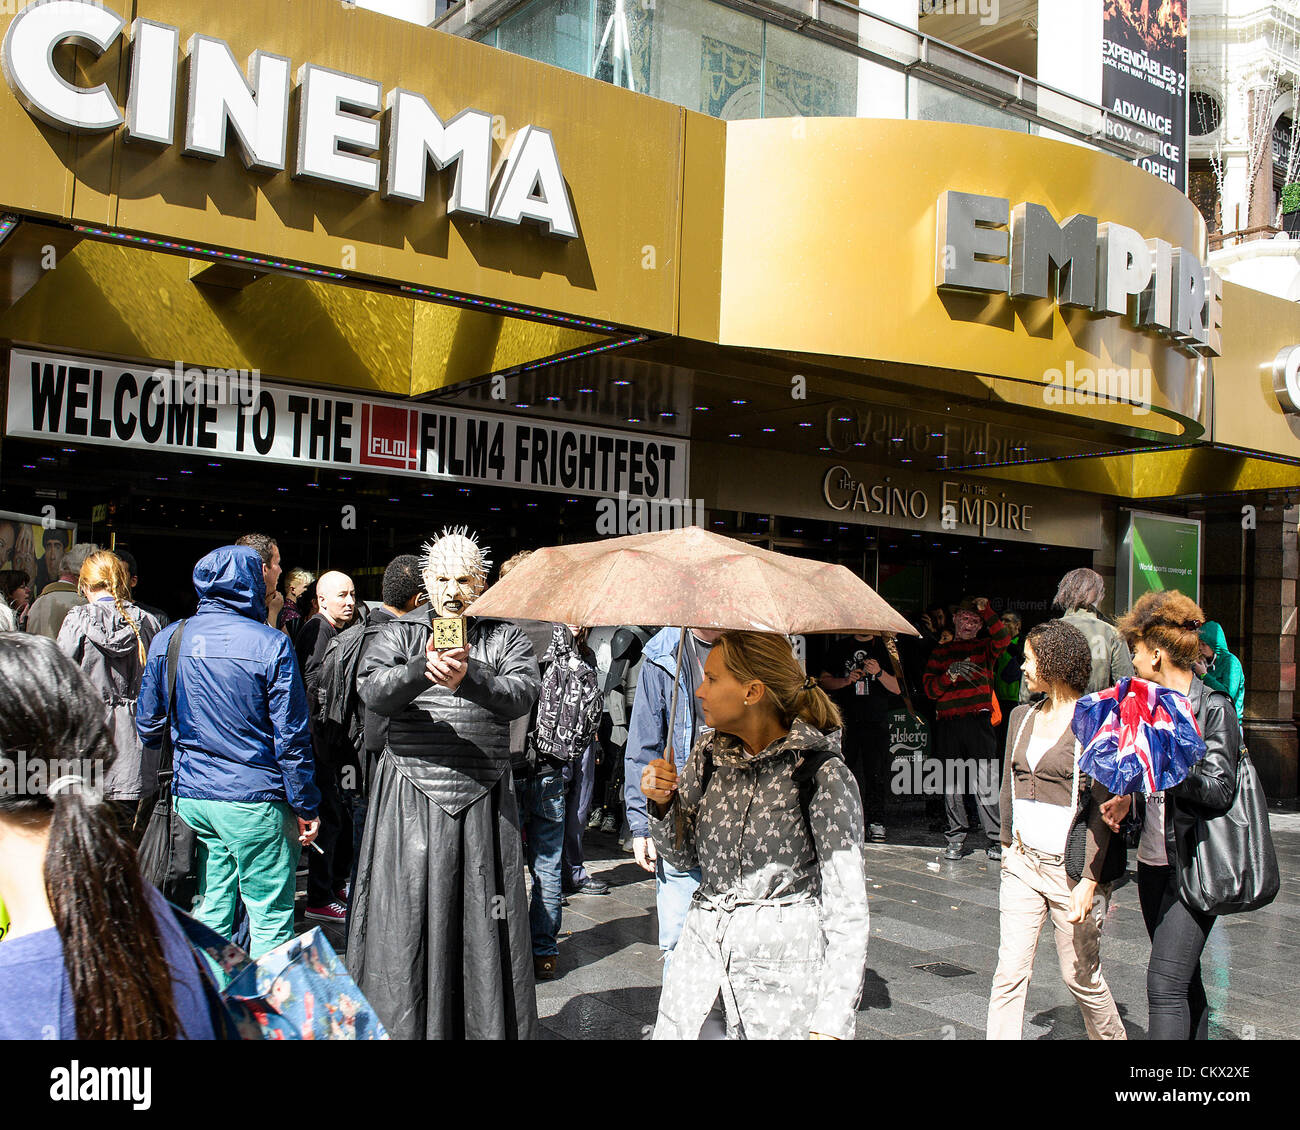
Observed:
{"x":959,"y":677}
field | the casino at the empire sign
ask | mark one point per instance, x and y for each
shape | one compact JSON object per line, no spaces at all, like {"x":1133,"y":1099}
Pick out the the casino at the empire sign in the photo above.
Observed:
{"x":339,"y":134}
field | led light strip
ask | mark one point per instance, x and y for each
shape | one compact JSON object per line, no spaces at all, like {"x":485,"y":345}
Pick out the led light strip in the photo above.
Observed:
{"x":506,"y":308}
{"x":8,"y":222}
{"x":207,"y":252}
{"x":1268,"y":457}
{"x":602,"y":348}
{"x":559,"y":359}
{"x":1080,"y":455}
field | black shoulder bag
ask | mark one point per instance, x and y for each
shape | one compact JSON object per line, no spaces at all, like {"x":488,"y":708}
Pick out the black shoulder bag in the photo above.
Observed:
{"x":169,"y":849}
{"x":1226,"y":860}
{"x":1114,"y":863}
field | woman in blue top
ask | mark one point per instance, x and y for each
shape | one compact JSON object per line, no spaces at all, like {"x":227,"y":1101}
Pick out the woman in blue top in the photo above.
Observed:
{"x":92,"y":952}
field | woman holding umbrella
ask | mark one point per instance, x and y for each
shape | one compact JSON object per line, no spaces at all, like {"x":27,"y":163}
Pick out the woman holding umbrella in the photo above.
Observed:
{"x":1162,"y":629}
{"x":775,"y":940}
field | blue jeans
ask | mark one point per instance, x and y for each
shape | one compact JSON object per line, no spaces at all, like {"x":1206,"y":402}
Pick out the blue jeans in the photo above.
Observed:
{"x":580,"y":780}
{"x":541,"y":816}
{"x":673,"y":891}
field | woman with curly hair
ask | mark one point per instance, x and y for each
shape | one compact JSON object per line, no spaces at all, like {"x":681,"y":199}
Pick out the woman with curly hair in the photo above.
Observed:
{"x":1042,"y":794}
{"x":1163,"y":630}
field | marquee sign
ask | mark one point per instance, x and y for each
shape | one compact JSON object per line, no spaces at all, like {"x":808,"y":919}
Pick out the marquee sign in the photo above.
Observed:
{"x":234,"y":414}
{"x":340,"y":141}
{"x":963,"y":506}
{"x":984,"y":245}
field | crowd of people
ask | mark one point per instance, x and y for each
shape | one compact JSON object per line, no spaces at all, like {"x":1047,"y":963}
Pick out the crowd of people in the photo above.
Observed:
{"x":426,"y":781}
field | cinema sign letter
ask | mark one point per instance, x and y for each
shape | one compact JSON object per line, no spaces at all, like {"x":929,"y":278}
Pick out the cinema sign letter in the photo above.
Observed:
{"x":985,"y":245}
{"x":339,"y":134}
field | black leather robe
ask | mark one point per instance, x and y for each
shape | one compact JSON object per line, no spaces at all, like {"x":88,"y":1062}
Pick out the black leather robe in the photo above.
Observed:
{"x":439,"y":940}
{"x":451,"y":745}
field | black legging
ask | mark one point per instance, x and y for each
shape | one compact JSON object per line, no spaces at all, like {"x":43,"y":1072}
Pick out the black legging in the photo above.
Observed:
{"x":1176,"y":1004}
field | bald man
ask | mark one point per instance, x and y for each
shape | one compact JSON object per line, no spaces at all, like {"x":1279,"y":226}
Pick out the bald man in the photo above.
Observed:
{"x":327,"y":874}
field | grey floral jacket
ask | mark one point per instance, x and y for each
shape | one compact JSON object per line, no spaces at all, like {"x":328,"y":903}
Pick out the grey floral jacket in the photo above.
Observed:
{"x":779,"y":926}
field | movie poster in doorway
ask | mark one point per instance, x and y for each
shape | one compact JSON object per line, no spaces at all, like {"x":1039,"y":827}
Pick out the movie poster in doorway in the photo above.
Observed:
{"x":35,"y":545}
{"x":1144,"y":82}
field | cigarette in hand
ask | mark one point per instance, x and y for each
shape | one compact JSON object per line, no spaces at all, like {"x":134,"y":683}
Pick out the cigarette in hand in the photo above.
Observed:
{"x":315,"y":847}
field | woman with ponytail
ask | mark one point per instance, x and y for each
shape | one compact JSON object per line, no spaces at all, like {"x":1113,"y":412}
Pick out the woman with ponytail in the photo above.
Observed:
{"x":92,"y":953}
{"x":775,"y":941}
{"x":108,"y":637}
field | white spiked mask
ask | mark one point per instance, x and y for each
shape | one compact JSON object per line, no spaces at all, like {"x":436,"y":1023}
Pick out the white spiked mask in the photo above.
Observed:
{"x":455,"y":572}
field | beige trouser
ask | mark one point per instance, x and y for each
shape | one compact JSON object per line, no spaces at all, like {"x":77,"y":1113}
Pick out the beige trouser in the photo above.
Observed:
{"x":1032,"y":888}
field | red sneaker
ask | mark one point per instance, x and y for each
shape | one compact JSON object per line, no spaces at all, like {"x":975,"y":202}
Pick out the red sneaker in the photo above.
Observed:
{"x":341,"y":895}
{"x":335,"y":912}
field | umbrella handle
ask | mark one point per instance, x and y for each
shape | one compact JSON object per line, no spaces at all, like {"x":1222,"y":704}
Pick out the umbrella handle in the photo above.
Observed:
{"x":679,"y":821}
{"x":891,"y":646}
{"x":672,"y":710}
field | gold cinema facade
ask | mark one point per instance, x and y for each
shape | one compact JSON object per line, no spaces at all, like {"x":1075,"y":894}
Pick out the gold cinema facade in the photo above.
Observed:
{"x":344,"y":201}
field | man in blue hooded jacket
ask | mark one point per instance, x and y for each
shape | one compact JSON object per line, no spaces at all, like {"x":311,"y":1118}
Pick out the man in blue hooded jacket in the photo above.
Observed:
{"x":646,"y":740}
{"x":244,"y":776}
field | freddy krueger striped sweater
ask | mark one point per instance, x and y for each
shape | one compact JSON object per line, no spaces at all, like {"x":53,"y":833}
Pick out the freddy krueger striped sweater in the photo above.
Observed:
{"x":956,"y":698}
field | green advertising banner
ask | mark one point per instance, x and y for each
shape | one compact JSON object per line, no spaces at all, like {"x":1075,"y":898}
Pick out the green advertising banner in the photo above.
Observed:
{"x":1160,"y":552}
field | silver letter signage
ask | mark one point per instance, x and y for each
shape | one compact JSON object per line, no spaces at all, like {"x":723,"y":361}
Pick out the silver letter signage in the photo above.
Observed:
{"x":151,"y":104}
{"x":340,"y":139}
{"x":1051,"y":261}
{"x":416,"y":135}
{"x":325,"y":124}
{"x":255,"y":108}
{"x":1123,"y":268}
{"x":531,"y":186}
{"x":969,"y":237}
{"x":28,"y":62}
{"x":1107,"y":268}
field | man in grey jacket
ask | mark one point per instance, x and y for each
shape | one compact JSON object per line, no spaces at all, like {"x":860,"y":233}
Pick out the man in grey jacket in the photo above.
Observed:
{"x":1078,"y":596}
{"x":48,"y":610}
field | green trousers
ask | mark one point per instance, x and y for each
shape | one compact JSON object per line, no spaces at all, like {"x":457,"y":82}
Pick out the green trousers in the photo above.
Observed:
{"x":248,"y":850}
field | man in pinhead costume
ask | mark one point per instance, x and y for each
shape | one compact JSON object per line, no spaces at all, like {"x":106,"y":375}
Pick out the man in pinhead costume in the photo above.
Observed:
{"x":439,"y":940}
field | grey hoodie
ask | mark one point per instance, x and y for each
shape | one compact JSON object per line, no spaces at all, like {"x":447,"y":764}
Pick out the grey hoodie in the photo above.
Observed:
{"x":100,"y":641}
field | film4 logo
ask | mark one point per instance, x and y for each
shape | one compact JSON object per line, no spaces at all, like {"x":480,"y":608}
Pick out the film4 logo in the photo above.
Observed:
{"x":388,"y":437}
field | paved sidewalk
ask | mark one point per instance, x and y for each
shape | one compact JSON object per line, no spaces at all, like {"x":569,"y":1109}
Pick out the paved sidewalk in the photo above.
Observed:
{"x":609,"y":972}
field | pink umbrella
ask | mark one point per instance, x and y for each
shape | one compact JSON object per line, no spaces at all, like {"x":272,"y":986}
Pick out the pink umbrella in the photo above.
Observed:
{"x":691,"y":577}
{"x":688,"y":578}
